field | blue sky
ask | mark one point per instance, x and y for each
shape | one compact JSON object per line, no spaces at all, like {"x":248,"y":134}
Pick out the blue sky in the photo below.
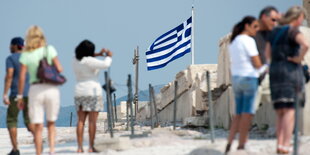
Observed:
{"x":121,"y":25}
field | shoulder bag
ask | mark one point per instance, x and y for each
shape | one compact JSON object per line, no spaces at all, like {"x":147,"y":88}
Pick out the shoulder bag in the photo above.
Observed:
{"x":48,"y":73}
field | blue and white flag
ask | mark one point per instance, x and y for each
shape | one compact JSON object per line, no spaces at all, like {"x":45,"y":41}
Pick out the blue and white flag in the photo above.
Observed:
{"x":170,"y":46}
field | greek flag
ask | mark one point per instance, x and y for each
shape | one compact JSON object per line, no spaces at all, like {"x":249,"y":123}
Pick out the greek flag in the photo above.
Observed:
{"x":170,"y":46}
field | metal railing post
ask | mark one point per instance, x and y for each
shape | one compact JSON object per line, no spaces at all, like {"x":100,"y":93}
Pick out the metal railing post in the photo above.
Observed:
{"x":107,"y":80}
{"x":115,"y":108}
{"x":136,"y":63}
{"x":70,"y":119}
{"x":155,"y":106}
{"x":130,"y":100}
{"x":151,"y":106}
{"x":296,"y":126}
{"x":175,"y":104}
{"x":111,"y":104}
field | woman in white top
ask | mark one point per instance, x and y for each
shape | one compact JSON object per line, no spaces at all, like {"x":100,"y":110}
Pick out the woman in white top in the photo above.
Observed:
{"x":244,"y":64}
{"x":88,"y":92}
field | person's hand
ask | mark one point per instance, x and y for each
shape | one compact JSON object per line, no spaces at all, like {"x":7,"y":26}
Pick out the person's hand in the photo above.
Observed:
{"x":296,"y":59}
{"x":102,"y":51}
{"x":6,"y":100}
{"x":20,"y":101}
{"x":20,"y":104}
{"x":109,"y":53}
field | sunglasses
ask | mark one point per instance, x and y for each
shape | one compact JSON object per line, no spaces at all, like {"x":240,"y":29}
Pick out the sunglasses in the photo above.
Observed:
{"x":273,"y":19}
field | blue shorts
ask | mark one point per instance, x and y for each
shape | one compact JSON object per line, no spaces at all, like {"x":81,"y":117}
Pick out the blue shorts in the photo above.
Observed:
{"x":244,"y":90}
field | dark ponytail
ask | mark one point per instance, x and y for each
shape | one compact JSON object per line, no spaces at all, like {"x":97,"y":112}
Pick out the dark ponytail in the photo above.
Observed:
{"x":240,"y":26}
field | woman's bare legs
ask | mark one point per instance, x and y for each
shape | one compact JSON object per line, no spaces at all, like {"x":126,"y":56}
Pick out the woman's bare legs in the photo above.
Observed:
{"x":245,"y":123}
{"x":80,"y":129}
{"x":38,"y":128}
{"x":288,"y":126}
{"x":51,"y":135}
{"x":92,"y":120}
{"x":232,"y":132}
{"x":285,"y":127}
{"x":279,"y":128}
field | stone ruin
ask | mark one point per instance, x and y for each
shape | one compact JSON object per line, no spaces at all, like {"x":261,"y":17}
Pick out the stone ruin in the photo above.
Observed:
{"x":191,"y":91}
{"x":192,"y":104}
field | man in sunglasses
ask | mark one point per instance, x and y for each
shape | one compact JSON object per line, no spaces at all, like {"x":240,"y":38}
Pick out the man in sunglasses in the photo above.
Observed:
{"x":268,"y":18}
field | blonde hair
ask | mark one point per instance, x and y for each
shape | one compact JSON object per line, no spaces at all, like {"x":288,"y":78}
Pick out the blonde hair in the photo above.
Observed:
{"x":292,"y":14}
{"x":34,"y":38}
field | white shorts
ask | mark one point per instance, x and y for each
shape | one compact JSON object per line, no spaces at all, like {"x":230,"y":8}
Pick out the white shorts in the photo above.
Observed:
{"x":43,"y":98}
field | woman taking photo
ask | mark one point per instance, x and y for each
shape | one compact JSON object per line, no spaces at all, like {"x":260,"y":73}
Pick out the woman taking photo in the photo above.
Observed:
{"x":44,"y":99}
{"x":286,"y":49}
{"x":244,"y":64}
{"x":88,"y":92}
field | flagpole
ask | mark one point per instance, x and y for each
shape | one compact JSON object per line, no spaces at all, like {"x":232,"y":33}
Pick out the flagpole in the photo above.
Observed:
{"x":192,"y":36}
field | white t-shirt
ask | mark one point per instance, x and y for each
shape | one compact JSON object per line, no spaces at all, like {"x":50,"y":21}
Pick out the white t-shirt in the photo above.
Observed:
{"x":241,"y":50}
{"x":86,"y":73}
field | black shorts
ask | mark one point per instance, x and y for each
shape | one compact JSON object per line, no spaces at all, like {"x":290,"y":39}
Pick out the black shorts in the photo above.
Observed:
{"x":282,"y":105}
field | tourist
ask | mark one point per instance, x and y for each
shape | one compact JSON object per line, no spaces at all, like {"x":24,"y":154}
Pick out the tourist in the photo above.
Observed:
{"x":11,"y":82}
{"x":268,"y":18}
{"x":244,"y":64}
{"x":286,"y":49}
{"x":88,"y":92}
{"x":44,"y":98}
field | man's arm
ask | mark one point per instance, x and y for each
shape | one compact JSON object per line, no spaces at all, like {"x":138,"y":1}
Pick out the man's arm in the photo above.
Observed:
{"x":22,"y":78}
{"x":21,"y":85}
{"x":7,"y":84}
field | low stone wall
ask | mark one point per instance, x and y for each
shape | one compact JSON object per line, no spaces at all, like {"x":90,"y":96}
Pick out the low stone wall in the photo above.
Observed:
{"x":191,"y":90}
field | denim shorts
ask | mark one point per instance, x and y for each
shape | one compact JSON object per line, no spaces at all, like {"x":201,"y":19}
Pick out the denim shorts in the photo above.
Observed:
{"x":245,"y":89}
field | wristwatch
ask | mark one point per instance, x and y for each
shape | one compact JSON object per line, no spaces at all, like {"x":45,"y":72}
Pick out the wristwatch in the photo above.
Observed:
{"x":19,"y":96}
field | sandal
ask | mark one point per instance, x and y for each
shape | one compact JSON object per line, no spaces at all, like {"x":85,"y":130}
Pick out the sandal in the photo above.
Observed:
{"x":284,"y":149}
{"x":227,"y":149}
{"x":240,"y":147}
{"x":92,"y":150}
{"x":80,"y":150}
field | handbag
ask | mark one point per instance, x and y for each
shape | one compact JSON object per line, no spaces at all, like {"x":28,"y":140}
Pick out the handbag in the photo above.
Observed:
{"x":48,"y":73}
{"x":305,"y":69}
